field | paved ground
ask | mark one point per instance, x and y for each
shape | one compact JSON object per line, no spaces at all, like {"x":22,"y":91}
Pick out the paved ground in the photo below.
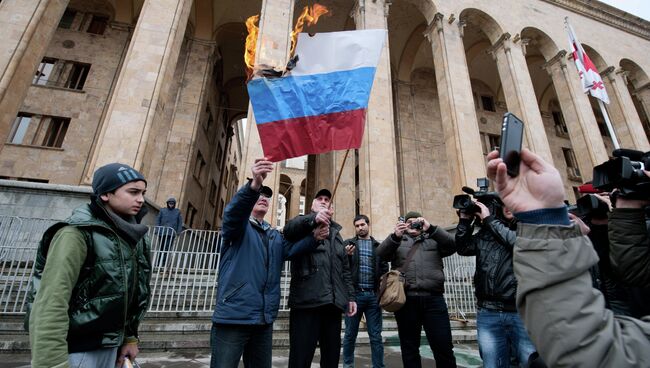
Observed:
{"x":466,"y":356}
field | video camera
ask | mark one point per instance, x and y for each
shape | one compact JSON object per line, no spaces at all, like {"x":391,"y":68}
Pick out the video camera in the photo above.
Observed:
{"x":590,"y":205}
{"x":464,"y":203}
{"x":625,"y":173}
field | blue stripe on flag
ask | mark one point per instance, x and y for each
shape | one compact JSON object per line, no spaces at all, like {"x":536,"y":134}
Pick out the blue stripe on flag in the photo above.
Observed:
{"x":290,"y":97}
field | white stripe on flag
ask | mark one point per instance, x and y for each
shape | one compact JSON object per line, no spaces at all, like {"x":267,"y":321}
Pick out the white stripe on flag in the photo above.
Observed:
{"x":338,"y":51}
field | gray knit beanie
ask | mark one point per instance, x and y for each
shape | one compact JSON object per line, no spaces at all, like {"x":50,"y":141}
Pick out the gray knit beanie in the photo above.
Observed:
{"x":112,"y":176}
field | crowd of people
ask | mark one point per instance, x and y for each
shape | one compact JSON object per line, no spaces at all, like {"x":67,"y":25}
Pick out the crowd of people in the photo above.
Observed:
{"x":553,"y":289}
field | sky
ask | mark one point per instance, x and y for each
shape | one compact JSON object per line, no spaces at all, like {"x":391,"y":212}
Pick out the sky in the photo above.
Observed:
{"x":640,"y":8}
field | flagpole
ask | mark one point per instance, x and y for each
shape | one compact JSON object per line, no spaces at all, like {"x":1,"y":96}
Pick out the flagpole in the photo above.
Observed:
{"x":610,"y":128}
{"x":339,"y":176}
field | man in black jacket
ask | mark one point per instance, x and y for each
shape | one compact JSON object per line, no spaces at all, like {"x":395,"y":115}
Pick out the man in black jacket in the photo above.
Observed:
{"x":321,"y":289}
{"x":499,"y":326}
{"x":366,"y":268}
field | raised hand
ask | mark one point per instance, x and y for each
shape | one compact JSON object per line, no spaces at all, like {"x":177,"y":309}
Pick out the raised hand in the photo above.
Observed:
{"x":260,"y":170}
{"x":323,"y":216}
{"x":322,"y":232}
{"x":537,"y":186}
{"x":400,"y":228}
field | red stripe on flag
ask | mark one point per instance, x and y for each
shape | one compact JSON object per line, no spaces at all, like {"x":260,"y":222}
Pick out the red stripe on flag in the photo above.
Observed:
{"x":312,"y":135}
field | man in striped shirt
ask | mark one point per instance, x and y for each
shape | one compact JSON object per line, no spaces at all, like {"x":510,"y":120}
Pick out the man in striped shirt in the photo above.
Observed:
{"x":366,"y":270}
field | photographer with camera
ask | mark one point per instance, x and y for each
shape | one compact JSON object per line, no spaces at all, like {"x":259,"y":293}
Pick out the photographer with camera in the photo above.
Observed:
{"x":591,"y":212}
{"x":425,"y":304}
{"x":565,"y":317}
{"x":627,"y":177}
{"x":499,"y":326}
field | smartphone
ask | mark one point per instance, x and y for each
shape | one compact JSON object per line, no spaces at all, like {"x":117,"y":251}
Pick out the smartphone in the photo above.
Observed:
{"x":400,"y":219}
{"x":512,"y":133}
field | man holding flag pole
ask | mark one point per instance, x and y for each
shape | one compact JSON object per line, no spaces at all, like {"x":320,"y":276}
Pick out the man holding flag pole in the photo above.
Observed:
{"x":590,"y":78}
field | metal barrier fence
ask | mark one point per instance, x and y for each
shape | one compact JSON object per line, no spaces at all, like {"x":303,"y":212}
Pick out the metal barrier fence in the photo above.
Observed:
{"x":185,"y":269}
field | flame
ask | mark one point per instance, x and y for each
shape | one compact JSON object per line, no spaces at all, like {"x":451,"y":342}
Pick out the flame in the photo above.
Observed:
{"x":251,"y":42}
{"x":309,"y":15}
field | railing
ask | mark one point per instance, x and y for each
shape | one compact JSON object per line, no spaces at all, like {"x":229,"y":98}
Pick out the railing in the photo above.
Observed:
{"x":185,"y":269}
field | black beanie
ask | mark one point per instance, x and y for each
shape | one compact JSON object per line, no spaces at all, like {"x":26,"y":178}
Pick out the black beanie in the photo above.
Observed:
{"x":112,"y":176}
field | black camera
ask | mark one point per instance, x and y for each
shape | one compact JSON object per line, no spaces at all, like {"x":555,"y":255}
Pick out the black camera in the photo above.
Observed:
{"x":416,"y":225}
{"x":464,"y":203}
{"x":590,"y":206}
{"x":625,"y":173}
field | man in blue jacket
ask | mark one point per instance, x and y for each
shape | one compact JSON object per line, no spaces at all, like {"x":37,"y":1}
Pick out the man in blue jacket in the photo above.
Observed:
{"x":252,"y":257}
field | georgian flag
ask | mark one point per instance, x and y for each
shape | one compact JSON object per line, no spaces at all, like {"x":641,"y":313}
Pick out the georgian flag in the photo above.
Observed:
{"x":589,"y":76}
{"x":320,"y":106}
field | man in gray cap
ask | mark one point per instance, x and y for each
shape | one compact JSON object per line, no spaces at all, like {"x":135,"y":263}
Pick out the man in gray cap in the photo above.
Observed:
{"x":90,"y":288}
{"x":170,"y":224}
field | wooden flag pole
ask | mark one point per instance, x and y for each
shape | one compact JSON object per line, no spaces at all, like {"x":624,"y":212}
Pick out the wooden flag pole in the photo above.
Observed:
{"x":339,"y":176}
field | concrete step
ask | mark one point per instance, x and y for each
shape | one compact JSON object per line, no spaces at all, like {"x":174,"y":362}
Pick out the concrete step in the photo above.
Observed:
{"x":164,"y":331}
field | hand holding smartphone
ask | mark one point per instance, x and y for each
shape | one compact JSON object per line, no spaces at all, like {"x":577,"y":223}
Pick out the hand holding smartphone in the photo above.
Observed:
{"x":512,"y":134}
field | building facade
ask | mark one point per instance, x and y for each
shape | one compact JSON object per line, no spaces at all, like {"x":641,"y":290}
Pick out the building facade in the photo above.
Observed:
{"x":160,"y":85}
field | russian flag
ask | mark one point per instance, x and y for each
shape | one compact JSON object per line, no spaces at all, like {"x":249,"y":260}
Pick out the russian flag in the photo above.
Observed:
{"x":320,"y":106}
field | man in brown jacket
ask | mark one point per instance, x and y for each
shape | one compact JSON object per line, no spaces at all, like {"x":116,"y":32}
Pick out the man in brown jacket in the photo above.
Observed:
{"x":564,"y":315}
{"x":424,"y":286}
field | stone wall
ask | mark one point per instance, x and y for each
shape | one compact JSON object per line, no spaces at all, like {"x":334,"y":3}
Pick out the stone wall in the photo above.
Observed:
{"x":50,"y":201}
{"x":66,"y":165}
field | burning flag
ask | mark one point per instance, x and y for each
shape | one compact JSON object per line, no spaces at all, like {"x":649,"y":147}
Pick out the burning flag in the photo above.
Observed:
{"x":320,"y":105}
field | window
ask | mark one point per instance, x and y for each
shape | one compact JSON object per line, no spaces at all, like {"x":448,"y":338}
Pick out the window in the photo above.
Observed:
{"x":489,"y":142}
{"x":219,"y":155}
{"x":67,"y":19}
{"x":97,"y":25}
{"x":220,"y":210}
{"x":61,"y":73}
{"x":55,"y":131}
{"x":46,"y":131}
{"x":560,"y":126}
{"x":571,"y":164}
{"x":488,"y":103}
{"x":213,"y":193}
{"x":189,"y":214}
{"x":207,"y":225}
{"x":19,"y":129}
{"x":44,"y":73}
{"x":33,"y":180}
{"x":77,"y":77}
{"x":199,"y":166}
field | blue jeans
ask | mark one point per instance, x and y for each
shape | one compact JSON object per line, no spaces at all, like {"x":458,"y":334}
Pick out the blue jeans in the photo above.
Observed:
{"x":366,"y":304}
{"x":497,"y":333}
{"x":229,"y":342}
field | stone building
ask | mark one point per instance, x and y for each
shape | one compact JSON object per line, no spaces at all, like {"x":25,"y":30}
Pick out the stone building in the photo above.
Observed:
{"x":160,"y":84}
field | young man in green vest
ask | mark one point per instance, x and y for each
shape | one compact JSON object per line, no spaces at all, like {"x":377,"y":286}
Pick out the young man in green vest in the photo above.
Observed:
{"x":90,"y":287}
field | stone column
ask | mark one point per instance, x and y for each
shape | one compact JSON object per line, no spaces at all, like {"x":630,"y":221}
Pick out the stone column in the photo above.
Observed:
{"x":294,"y":206}
{"x":143,"y":84}
{"x":170,"y":165}
{"x":626,"y":121}
{"x":27,"y":29}
{"x":457,"y":110}
{"x":519,"y":93}
{"x":378,"y":180}
{"x":273,"y":43}
{"x":583,"y":129}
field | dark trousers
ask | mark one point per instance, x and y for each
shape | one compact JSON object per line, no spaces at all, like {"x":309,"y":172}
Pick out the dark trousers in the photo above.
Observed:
{"x":310,"y":326}
{"x":229,"y":342}
{"x":431,"y":313}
